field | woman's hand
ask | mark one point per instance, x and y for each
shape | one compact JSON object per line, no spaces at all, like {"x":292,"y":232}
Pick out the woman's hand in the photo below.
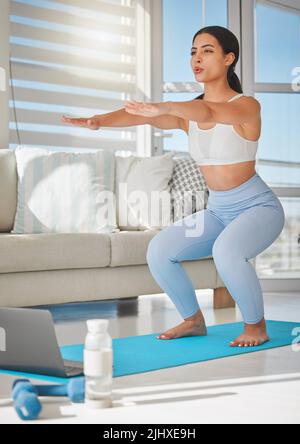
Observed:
{"x":147,"y":109}
{"x":91,"y":122}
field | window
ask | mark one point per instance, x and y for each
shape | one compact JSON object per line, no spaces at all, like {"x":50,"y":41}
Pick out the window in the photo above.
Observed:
{"x":181,"y":21}
{"x":71,"y":60}
{"x":282,"y":259}
{"x":271,"y":61}
{"x":277,"y":44}
{"x":276,"y":55}
{"x":279,"y":154}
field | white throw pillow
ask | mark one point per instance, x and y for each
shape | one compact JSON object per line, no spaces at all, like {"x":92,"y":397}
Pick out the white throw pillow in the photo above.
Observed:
{"x":138,"y":180}
{"x":65,"y":192}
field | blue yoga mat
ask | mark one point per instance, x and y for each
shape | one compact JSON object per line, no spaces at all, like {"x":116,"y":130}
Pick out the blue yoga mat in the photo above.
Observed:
{"x":139,"y":354}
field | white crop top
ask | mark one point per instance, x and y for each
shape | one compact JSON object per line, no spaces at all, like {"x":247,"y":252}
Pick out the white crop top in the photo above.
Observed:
{"x":220,"y":145}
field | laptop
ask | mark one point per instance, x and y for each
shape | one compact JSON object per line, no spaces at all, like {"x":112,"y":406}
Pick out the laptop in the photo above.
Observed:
{"x":28,"y":344}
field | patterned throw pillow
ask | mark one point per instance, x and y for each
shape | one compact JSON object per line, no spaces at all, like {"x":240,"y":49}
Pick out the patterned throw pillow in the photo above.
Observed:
{"x":189,"y":192}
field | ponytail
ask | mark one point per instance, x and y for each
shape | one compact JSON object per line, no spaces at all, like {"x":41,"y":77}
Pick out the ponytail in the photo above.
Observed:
{"x":233,"y":80}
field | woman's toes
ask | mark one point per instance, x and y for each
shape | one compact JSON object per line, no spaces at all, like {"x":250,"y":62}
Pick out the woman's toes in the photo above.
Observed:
{"x":242,"y":341}
{"x":163,"y":336}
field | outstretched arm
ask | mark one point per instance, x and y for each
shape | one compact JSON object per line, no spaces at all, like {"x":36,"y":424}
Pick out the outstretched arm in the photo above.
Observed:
{"x":121,"y":118}
{"x":237,"y":112}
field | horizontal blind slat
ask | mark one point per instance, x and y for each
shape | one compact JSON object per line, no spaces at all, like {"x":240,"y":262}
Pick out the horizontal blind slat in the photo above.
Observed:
{"x":56,"y":57}
{"x":64,"y":38}
{"x":26,"y":71}
{"x":55,"y":140}
{"x":104,"y":7}
{"x":65,"y":18}
{"x":67,"y":99}
{"x":49,"y":118}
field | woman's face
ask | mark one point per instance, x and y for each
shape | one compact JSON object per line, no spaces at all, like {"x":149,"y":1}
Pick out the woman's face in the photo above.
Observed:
{"x":208,"y":60}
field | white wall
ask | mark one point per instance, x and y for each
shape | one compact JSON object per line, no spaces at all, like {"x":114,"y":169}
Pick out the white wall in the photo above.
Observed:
{"x":4,"y":74}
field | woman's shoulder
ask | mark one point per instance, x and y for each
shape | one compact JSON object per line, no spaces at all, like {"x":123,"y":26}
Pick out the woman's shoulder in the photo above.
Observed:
{"x":252,"y":104}
{"x":251,"y":101}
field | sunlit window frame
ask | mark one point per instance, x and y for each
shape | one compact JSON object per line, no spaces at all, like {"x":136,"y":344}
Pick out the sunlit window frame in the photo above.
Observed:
{"x":252,"y":87}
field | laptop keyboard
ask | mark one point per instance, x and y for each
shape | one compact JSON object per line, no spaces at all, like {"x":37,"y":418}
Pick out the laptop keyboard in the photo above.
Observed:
{"x":73,"y":368}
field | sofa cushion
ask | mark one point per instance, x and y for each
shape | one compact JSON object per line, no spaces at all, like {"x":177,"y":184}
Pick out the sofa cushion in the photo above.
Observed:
{"x":8,"y":189}
{"x":52,"y":251}
{"x":189,"y":192}
{"x":65,"y":192}
{"x":140,"y":182}
{"x":130,"y":247}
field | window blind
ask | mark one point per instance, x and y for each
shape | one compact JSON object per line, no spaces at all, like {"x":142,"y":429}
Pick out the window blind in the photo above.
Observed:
{"x":72,"y":57}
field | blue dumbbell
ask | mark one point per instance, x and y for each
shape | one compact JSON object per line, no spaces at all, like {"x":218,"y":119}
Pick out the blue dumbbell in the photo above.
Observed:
{"x":25,"y":395}
{"x":27,"y":406}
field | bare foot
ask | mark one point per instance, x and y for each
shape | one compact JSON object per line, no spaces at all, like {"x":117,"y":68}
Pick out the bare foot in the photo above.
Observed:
{"x":193,"y":326}
{"x":254,"y":335}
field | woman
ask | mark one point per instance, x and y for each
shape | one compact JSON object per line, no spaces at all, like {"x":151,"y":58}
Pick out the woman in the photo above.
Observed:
{"x":243,"y":216}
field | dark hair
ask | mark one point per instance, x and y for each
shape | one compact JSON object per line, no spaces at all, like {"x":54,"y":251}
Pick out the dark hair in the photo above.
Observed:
{"x":229,"y":43}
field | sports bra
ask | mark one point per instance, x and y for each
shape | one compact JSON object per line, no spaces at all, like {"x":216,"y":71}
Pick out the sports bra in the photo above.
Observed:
{"x":219,"y":145}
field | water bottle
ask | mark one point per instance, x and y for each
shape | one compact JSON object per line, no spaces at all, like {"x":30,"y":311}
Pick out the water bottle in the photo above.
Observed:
{"x":98,"y":364}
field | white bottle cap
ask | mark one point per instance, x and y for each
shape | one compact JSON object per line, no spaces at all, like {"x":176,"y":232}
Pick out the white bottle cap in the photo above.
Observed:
{"x":97,"y":325}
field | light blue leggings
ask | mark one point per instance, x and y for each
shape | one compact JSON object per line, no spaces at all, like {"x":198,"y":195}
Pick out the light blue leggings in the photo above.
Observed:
{"x":237,"y":225}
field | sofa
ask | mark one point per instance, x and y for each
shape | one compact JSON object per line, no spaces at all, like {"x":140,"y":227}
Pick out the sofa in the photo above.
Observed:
{"x":59,"y":268}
